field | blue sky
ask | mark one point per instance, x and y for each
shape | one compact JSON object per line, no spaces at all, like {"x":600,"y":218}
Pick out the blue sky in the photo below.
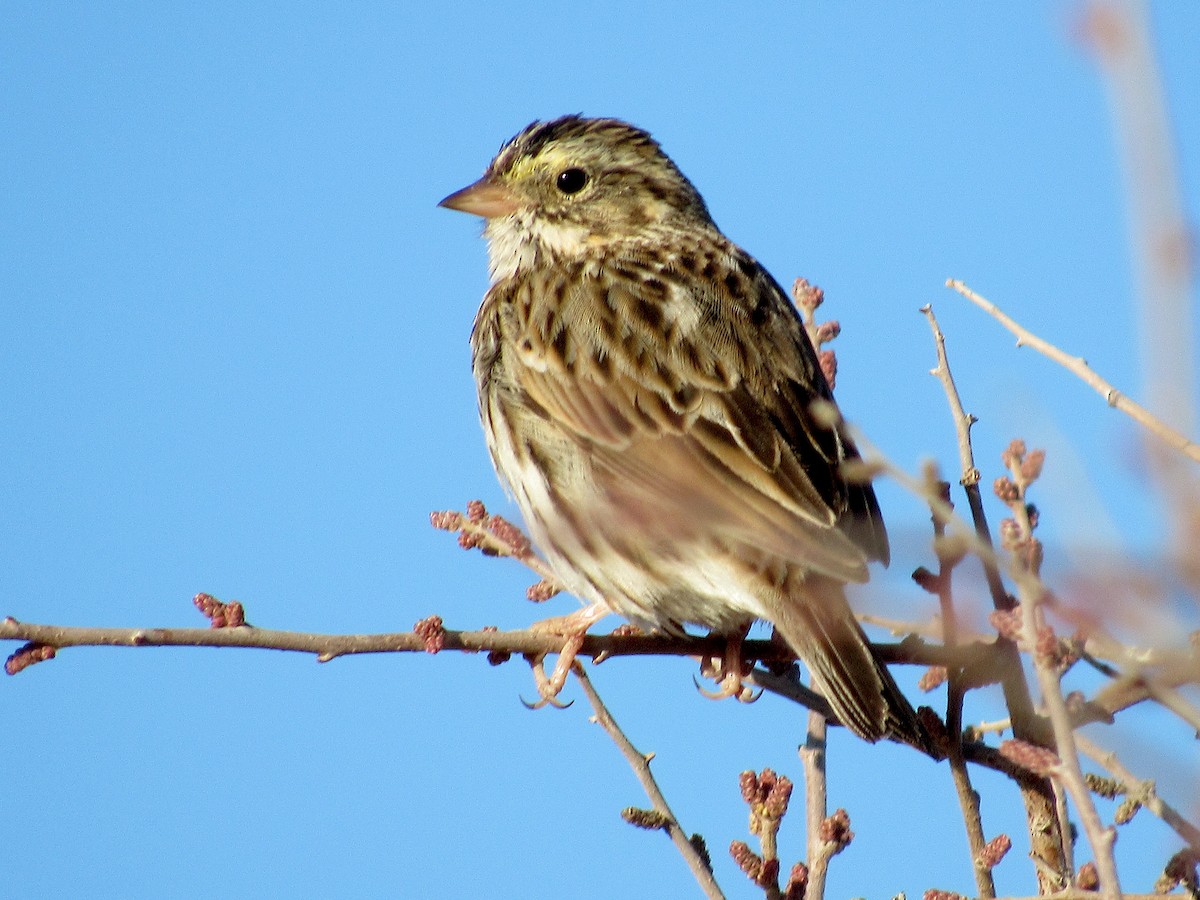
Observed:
{"x":233,"y":358}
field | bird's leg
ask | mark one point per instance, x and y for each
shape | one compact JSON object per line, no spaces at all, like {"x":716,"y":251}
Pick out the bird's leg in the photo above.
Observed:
{"x":729,"y":670}
{"x":574,"y":628}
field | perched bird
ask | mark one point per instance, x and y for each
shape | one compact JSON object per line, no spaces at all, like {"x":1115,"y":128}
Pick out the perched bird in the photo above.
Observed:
{"x":647,"y":391}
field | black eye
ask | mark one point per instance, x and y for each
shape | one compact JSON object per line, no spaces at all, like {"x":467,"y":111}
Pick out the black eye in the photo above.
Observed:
{"x":571,"y":181}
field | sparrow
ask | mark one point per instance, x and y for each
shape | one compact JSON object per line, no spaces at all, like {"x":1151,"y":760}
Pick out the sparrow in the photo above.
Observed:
{"x":651,"y":398}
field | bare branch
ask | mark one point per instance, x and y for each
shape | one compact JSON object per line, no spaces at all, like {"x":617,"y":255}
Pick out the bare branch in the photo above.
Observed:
{"x":1142,"y":791}
{"x":496,"y":536}
{"x":1164,"y":254}
{"x":969,"y":477}
{"x":962,"y":419}
{"x":1032,"y":591}
{"x":1079,"y":367}
{"x":968,"y":797}
{"x":1174,"y":701}
{"x":640,"y":763}
{"x":833,"y":836}
{"x":812,"y":754}
{"x":327,"y":647}
{"x":1049,"y":845}
{"x":768,"y":796}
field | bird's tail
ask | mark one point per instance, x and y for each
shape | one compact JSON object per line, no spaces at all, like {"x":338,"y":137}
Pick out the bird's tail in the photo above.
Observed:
{"x":818,"y":624}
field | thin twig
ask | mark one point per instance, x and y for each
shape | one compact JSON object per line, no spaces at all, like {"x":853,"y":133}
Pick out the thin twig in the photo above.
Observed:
{"x":815,"y":805}
{"x":1142,"y":791}
{"x":1048,"y":845}
{"x":999,"y":727}
{"x":962,"y":419}
{"x":1136,"y":684}
{"x":929,"y":628}
{"x":1045,"y":831}
{"x":968,"y":797}
{"x":1163,"y":244}
{"x":970,"y":475}
{"x":1174,"y":701}
{"x":1064,"y":815}
{"x":1164,"y":258}
{"x":1079,"y":367}
{"x":789,"y":686}
{"x":1101,"y":838}
{"x":327,"y":647}
{"x":976,"y":753}
{"x":1147,"y":673}
{"x":640,"y":763}
{"x":1016,"y":689}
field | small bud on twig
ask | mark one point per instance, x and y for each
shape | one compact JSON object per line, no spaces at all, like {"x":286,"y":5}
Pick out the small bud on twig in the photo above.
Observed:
{"x":1126,"y":811}
{"x":1047,"y":643}
{"x":1179,"y":870}
{"x":511,"y":535}
{"x":797,"y":885}
{"x":807,"y":296}
{"x":835,"y":830}
{"x":927,"y":580}
{"x":432,"y":632}
{"x":994,"y":851}
{"x":829,"y":367}
{"x":1088,"y":878}
{"x":542,"y":591}
{"x":220,"y":614}
{"x":1007,"y":622}
{"x":701,"y":847}
{"x":1036,"y":759}
{"x":28,"y":655}
{"x":934,"y":727}
{"x":1006,"y":490}
{"x":446,"y":519}
{"x":933,"y":678}
{"x":1031,"y":468}
{"x":1013,"y":454}
{"x":496,"y":657}
{"x":1108,"y":788}
{"x":748,"y":861}
{"x":650,"y":819}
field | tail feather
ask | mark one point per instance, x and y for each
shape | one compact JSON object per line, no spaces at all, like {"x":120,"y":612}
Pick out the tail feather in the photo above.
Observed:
{"x":818,"y":625}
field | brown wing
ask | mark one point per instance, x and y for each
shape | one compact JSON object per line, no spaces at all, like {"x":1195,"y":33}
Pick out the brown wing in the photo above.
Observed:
{"x":696,"y":403}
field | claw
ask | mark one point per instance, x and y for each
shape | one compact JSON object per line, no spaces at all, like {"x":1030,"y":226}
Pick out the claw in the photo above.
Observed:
{"x":574,"y":628}
{"x":546,"y":701}
{"x":730,"y":686}
{"x":549,"y":688}
{"x":548,"y":697}
{"x":728,"y":673}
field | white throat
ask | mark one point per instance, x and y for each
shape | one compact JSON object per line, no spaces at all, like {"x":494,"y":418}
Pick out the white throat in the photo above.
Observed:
{"x":514,"y":242}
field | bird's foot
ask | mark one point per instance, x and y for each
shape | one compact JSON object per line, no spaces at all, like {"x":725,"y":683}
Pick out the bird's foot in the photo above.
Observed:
{"x":728,"y":672}
{"x":574,"y":628}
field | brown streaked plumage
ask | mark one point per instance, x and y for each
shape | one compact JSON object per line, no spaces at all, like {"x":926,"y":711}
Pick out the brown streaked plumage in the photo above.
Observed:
{"x":647,"y":393}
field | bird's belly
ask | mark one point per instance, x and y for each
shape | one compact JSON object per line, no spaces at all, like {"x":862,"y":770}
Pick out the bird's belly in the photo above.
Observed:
{"x":657,"y":572}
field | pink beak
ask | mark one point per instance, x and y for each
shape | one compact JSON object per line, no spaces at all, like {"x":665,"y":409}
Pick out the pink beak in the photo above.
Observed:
{"x":485,"y":198}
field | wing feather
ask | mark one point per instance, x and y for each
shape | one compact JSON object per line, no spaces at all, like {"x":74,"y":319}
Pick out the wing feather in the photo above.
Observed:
{"x":697,"y":405}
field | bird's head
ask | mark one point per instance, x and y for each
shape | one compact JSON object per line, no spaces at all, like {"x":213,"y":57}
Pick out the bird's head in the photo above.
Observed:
{"x":573,"y":183}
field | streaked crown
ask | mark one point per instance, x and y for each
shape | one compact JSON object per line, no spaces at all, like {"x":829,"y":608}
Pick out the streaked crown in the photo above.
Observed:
{"x":602,"y":173}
